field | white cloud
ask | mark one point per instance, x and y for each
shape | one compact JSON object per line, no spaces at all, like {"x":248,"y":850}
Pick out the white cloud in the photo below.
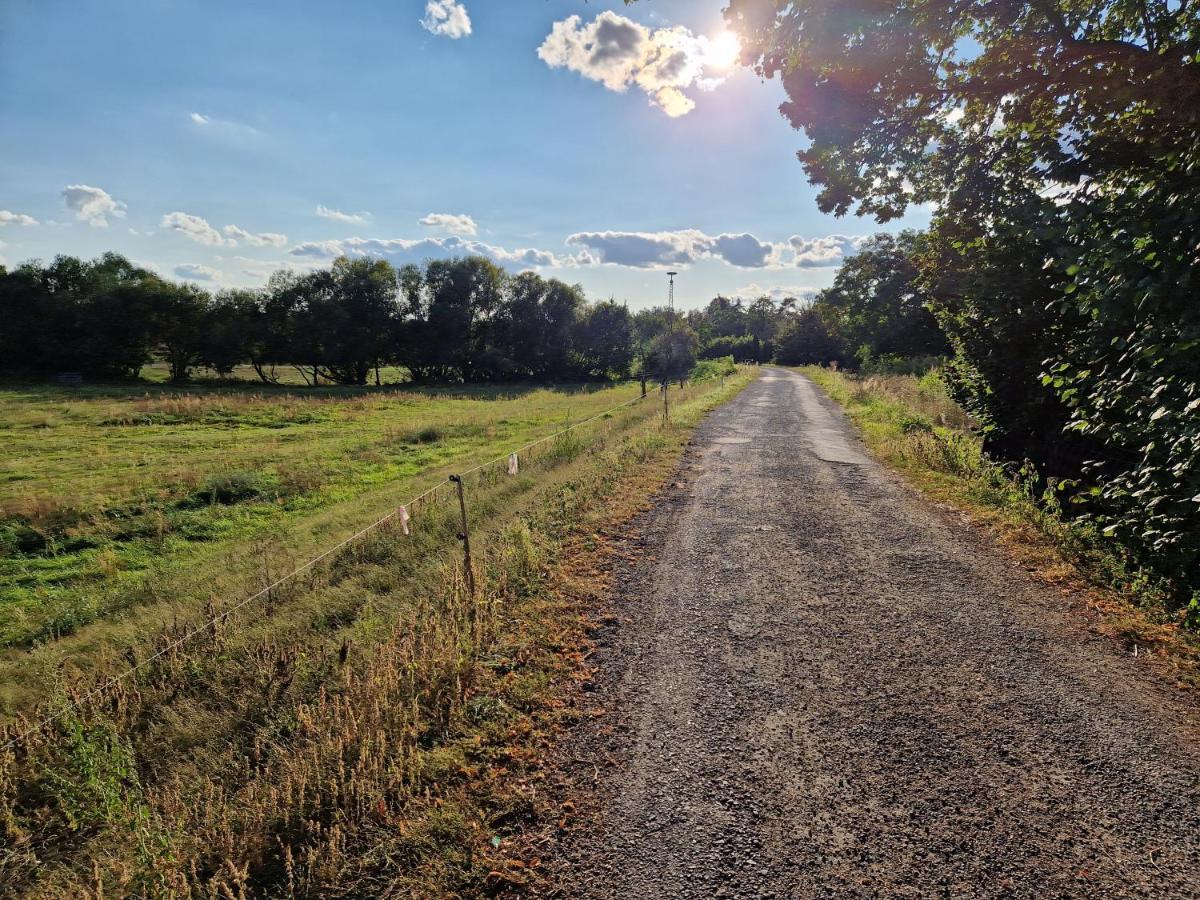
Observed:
{"x":263,"y":239}
{"x":619,"y":52}
{"x":461,"y":225}
{"x":660,"y":249}
{"x":318,"y":249}
{"x":92,"y":205}
{"x":336,"y":214}
{"x":12,"y":218}
{"x":197,"y":272}
{"x":448,"y":18}
{"x":778,"y":293}
{"x":401,"y":251}
{"x":195,"y":229}
{"x":824,"y":251}
{"x":224,"y":127}
{"x":199,"y":230}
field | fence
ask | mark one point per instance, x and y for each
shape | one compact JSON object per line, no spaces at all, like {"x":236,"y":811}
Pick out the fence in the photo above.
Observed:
{"x":407,"y":515}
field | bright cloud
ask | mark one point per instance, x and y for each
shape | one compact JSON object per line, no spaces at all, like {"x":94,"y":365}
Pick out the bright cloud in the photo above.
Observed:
{"x":660,"y":249}
{"x":12,"y":218}
{"x":619,"y":52}
{"x":447,"y":18}
{"x":462,"y":225}
{"x":337,"y":215}
{"x":401,"y":251}
{"x":199,"y":230}
{"x":778,"y":293}
{"x":199,"y":119}
{"x":824,"y":251}
{"x":92,"y":204}
{"x":263,"y":239}
{"x":195,"y":229}
{"x":197,"y":272}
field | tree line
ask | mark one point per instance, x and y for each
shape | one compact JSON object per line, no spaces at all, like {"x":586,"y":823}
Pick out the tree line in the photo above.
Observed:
{"x":447,"y":320}
{"x":1058,"y":145}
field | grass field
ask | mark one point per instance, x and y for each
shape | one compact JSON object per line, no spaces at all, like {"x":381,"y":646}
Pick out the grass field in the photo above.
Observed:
{"x":373,"y":728}
{"x":124,"y":508}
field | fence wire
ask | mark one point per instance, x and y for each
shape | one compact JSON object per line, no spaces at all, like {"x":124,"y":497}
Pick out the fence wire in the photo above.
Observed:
{"x":218,"y":619}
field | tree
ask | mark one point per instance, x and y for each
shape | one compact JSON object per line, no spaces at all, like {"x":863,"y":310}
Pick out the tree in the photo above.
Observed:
{"x":179,"y":312}
{"x":533,"y":326}
{"x":672,"y":353}
{"x":457,"y":300}
{"x":228,"y":334}
{"x":807,"y":341}
{"x":603,"y":341}
{"x":877,"y":305}
{"x":890,"y":94}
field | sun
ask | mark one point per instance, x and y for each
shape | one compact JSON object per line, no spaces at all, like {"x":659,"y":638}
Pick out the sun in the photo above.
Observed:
{"x":724,"y":50}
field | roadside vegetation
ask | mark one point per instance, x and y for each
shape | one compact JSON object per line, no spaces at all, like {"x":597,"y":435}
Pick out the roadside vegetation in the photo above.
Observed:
{"x":1056,"y":147}
{"x":372,"y":728}
{"x":912,"y":424}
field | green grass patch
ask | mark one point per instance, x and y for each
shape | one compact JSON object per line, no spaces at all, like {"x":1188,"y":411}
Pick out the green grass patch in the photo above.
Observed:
{"x":374,"y":726}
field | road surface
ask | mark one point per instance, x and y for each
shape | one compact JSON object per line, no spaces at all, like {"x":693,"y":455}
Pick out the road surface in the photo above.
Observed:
{"x":823,"y":686}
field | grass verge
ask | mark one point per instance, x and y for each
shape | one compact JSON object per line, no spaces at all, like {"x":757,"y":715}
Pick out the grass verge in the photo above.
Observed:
{"x":374,"y":731}
{"x":912,"y":425}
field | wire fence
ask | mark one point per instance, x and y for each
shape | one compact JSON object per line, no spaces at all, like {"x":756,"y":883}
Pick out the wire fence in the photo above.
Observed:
{"x":400,"y":512}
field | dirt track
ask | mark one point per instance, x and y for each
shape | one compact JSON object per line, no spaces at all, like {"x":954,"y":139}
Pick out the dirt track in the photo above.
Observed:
{"x":822,"y":686}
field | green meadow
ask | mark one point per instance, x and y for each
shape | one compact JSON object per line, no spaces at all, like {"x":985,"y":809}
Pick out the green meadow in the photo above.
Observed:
{"x":122,"y":508}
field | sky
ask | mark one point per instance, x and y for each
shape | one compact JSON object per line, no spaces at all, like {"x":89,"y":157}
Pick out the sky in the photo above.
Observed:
{"x":219,"y":140}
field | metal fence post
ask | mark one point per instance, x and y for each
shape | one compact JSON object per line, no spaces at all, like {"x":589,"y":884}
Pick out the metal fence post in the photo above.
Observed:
{"x":465,"y":535}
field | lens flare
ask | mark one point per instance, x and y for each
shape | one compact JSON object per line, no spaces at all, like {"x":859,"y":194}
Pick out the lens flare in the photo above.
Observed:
{"x":723,"y":51}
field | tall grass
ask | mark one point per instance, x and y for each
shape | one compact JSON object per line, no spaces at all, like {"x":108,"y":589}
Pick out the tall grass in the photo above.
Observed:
{"x":365,"y":731}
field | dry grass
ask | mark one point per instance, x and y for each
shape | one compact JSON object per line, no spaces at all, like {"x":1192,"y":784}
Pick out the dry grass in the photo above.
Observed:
{"x":370,"y":731}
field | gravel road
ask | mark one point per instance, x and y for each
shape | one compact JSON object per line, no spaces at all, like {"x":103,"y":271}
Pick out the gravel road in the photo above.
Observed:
{"x":821,"y":685}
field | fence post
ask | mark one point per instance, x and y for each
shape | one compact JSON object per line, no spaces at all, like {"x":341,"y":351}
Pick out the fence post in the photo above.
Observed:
{"x":465,"y":536}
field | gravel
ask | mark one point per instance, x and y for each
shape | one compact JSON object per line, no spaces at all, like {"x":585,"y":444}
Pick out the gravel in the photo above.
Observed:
{"x":821,"y":685}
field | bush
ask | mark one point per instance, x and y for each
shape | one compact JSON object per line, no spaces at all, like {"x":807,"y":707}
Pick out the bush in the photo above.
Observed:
{"x":708,"y":369}
{"x":229,"y":488}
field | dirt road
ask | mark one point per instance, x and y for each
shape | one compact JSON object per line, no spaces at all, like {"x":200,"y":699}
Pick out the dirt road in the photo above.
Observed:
{"x":823,"y":686}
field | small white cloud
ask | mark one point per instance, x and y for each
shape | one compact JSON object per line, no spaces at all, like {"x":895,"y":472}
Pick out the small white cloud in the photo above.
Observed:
{"x":619,"y":52}
{"x":802,"y":295}
{"x":461,"y":225}
{"x":447,"y":18}
{"x":195,"y":229}
{"x":223,"y":129}
{"x":825,"y":251}
{"x":318,"y":249}
{"x":92,"y":204}
{"x":197,"y":272}
{"x":336,"y":214}
{"x":263,"y":239}
{"x":12,"y":218}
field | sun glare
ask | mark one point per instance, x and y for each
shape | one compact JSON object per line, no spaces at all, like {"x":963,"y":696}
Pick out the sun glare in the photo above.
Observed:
{"x":723,"y":50}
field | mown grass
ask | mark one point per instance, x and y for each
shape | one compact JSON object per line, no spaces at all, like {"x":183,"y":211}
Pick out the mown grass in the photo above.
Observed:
{"x":123,"y":508}
{"x":373,"y":729}
{"x":912,"y":424}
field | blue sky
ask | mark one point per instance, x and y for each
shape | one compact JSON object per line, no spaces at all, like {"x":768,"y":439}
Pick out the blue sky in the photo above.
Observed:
{"x":202,"y":137}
